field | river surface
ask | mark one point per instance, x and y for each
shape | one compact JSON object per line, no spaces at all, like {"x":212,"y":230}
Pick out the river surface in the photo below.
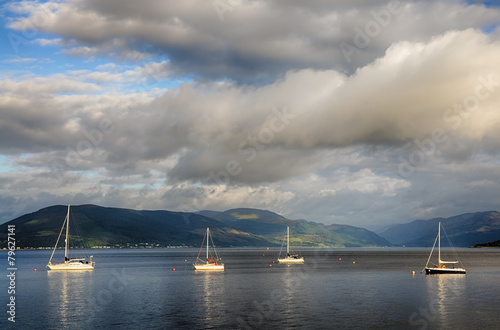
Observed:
{"x":344,"y":288}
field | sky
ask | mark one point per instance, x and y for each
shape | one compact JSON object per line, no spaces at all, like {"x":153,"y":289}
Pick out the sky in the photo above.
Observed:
{"x":359,"y":112}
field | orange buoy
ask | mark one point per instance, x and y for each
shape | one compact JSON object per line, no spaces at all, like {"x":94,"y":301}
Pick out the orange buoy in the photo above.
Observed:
{"x":173,"y":269}
{"x":340,"y":259}
{"x":273,"y":261}
{"x":35,"y":269}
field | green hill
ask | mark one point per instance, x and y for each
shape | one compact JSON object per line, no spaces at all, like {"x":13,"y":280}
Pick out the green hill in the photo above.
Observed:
{"x":92,"y":225}
{"x":272,"y":226}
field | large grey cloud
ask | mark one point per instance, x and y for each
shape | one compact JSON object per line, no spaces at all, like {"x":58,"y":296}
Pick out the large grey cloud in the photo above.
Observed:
{"x":252,"y":41}
{"x":390,"y":132}
{"x":403,"y":97}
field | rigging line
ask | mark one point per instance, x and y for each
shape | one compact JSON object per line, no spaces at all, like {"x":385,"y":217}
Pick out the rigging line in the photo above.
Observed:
{"x":78,"y":234}
{"x":282,"y":244}
{"x":55,"y":247}
{"x":292,"y":251}
{"x":197,"y":257}
{"x":75,"y":225}
{"x":76,"y":230}
{"x":452,"y":248}
{"x":430,"y":255}
{"x":213,"y":245}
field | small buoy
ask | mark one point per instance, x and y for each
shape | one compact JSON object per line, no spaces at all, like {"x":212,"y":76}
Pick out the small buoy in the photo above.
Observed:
{"x":35,"y":269}
{"x":267,"y":248}
{"x":340,"y":259}
{"x":185,"y":259}
{"x":173,"y":269}
{"x":263,"y":255}
{"x":273,"y":261}
{"x":354,"y":262}
{"x":413,"y":272}
{"x":270,"y":265}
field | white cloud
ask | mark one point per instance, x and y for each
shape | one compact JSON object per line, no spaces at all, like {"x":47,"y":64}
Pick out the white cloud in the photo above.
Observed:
{"x":272,"y":114}
{"x":257,"y":40}
{"x":57,"y":83}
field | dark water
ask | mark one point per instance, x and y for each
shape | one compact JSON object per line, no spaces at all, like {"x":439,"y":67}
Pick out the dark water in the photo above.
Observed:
{"x":366,"y":289}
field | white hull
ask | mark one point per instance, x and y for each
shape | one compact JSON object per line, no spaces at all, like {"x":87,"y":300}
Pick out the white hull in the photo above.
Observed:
{"x":440,"y":267}
{"x":209,"y":267}
{"x":210,"y":263}
{"x":71,"y":266}
{"x":440,"y":270}
{"x":69,"y":263}
{"x":291,"y":260}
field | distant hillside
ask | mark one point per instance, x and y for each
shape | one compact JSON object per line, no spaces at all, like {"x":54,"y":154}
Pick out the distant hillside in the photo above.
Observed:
{"x":361,"y":236}
{"x":271,"y":226}
{"x":463,"y":230}
{"x":93,"y":225}
{"x":495,"y":244}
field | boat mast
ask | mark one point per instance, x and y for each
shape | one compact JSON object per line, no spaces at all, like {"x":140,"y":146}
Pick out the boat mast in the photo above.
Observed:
{"x":208,"y":234}
{"x":287,"y":240}
{"x":439,"y":243}
{"x":67,"y":237}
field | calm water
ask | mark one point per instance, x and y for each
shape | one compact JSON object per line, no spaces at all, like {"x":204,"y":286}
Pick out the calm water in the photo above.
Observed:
{"x":367,"y":289}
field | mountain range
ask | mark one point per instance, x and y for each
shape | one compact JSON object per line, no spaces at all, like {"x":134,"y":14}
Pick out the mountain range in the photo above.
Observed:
{"x":462,"y":230}
{"x":92,"y":225}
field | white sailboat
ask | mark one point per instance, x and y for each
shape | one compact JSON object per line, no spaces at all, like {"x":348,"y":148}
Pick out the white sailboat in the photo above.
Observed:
{"x":441,"y":268}
{"x":290,"y":257}
{"x":69,"y":263}
{"x":210,"y":263}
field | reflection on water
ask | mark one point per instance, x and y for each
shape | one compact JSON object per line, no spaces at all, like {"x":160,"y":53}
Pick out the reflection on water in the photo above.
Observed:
{"x":446,"y":294}
{"x":291,"y":282}
{"x":212,"y":296}
{"x":69,"y":295}
{"x":294,"y":281}
{"x":135,"y":289}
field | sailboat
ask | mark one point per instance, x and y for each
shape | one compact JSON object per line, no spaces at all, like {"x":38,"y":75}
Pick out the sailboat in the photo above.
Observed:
{"x":441,"y":268}
{"x":69,"y":263}
{"x":210,"y":263}
{"x":290,"y":257}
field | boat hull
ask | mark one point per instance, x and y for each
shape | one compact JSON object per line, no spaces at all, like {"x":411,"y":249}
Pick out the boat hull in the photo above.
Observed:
{"x":209,"y":267}
{"x":71,"y":266}
{"x":433,"y":270}
{"x":291,"y":260}
{"x":69,"y":263}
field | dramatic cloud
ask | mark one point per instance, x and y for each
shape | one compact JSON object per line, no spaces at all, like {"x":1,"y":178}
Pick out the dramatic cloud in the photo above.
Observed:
{"x":365,"y":112}
{"x":247,"y":40}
